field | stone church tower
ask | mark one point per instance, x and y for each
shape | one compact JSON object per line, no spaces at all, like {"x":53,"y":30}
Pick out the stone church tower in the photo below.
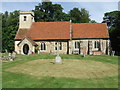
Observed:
{"x":26,"y":19}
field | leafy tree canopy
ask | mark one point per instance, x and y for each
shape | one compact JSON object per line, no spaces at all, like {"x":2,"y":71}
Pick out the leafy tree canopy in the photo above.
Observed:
{"x":46,"y":11}
{"x":93,"y":21}
{"x":79,"y":16}
{"x":9,"y":28}
{"x":113,"y":21}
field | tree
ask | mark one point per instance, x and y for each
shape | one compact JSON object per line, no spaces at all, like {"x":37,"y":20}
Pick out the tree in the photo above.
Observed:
{"x":84,"y":16}
{"x":46,"y":11}
{"x":113,"y":22}
{"x":9,"y":28}
{"x":79,"y":16}
{"x":75,"y":15}
{"x":93,"y":21}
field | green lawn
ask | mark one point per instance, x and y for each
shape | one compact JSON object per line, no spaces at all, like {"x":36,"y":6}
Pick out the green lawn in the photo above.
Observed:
{"x":22,"y":80}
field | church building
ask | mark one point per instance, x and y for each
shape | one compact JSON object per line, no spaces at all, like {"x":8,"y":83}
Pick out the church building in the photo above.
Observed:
{"x":63,"y":37}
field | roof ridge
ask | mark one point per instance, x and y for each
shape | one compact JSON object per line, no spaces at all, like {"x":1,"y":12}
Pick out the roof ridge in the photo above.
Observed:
{"x":52,"y":22}
{"x":88,"y":23}
{"x":61,"y":30}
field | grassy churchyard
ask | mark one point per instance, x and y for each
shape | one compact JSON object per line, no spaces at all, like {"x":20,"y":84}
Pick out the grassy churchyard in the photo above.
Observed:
{"x":39,"y":71}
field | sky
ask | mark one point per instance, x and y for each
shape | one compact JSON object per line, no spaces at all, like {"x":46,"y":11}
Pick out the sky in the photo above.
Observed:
{"x":96,"y":9}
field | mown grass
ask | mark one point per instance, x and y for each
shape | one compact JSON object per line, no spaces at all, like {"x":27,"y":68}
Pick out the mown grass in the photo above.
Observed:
{"x":103,"y":58}
{"x":25,"y":58}
{"x":17,"y":80}
{"x":14,"y":80}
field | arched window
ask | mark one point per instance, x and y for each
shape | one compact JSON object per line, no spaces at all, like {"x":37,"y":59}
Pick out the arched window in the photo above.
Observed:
{"x":43,"y":46}
{"x":25,"y":17}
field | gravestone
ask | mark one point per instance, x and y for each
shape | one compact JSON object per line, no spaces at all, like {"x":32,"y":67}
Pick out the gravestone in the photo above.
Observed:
{"x":38,"y":51}
{"x":13,"y":54}
{"x":58,"y":60}
{"x":9,"y":54}
{"x":113,"y":53}
{"x":11,"y":59}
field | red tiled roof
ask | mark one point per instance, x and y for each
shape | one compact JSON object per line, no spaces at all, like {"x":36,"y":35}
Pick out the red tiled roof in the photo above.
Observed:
{"x":61,"y":30}
{"x":49,"y":30}
{"x":90,"y":30}
{"x":21,"y":33}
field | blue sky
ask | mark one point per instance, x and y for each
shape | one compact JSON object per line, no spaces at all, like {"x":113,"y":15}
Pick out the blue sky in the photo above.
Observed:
{"x":96,"y":9}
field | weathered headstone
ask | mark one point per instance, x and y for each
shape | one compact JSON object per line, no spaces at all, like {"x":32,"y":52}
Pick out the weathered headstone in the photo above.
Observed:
{"x":38,"y":51}
{"x":11,"y":59}
{"x":58,"y":60}
{"x":9,"y":54}
{"x":6,"y":51}
{"x":113,"y":53}
{"x":13,"y":54}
